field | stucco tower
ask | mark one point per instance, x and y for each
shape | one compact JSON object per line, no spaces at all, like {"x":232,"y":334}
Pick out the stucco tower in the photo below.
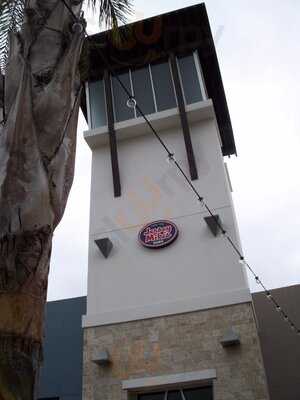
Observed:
{"x":169,"y":322}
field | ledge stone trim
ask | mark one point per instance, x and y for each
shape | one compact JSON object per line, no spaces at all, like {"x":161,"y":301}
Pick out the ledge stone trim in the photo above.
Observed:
{"x":166,"y":380}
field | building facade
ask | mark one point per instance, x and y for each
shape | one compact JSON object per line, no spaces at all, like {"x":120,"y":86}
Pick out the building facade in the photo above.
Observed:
{"x":164,"y":321}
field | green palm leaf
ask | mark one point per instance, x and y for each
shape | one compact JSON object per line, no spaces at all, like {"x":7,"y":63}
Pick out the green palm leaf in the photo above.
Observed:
{"x":112,"y":12}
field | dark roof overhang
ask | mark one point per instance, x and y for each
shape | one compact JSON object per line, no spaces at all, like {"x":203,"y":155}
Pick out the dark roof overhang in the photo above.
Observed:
{"x":153,"y":39}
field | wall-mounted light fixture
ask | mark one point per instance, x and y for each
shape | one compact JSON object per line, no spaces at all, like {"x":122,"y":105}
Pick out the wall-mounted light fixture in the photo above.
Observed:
{"x":230,"y":338}
{"x":213,"y":224}
{"x":104,"y":245}
{"x":102,"y":358}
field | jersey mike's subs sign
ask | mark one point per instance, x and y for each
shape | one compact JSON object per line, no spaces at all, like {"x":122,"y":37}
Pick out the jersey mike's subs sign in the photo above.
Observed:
{"x":158,"y":234}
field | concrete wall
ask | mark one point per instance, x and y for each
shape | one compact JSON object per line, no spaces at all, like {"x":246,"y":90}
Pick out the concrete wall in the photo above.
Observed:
{"x":198,"y":271}
{"x":61,"y":374}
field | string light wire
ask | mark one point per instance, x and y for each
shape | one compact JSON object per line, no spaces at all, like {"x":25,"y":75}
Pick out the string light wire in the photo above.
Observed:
{"x":171,"y":158}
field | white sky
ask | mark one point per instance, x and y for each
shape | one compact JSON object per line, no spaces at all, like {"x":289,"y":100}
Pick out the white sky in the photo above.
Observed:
{"x":258,"y":48}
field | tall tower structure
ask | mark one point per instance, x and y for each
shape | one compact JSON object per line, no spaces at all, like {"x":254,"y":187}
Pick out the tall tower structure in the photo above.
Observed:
{"x":169,"y":311}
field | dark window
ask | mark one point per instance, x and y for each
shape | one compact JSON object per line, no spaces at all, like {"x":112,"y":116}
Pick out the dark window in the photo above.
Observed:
{"x":163,"y":86}
{"x":201,"y":393}
{"x":152,"y":396}
{"x":48,"y":398}
{"x":143,"y":90}
{"x":120,"y":97}
{"x":152,"y":86}
{"x":189,"y":79}
{"x":174,"y":395}
{"x":97,"y":104}
{"x":204,"y":393}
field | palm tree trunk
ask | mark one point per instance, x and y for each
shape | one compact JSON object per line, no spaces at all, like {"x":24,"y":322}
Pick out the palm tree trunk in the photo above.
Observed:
{"x":37,"y":152}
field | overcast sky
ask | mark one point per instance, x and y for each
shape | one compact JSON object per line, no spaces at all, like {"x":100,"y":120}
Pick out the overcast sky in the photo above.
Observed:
{"x":258,"y":49}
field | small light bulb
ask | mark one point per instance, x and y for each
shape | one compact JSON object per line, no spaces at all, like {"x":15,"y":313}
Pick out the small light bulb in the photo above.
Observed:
{"x":77,"y":27}
{"x":242,"y":261}
{"x":278,"y":308}
{"x":201,"y":200}
{"x":131,"y":102}
{"x":171,"y":158}
{"x":269,"y":296}
{"x":257,"y":280}
{"x":286,"y":318}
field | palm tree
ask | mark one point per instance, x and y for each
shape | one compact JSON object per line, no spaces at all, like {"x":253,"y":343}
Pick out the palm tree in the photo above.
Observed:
{"x":40,"y":48}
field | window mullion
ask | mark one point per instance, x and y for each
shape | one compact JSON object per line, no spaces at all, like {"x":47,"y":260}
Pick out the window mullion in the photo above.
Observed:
{"x":173,"y":81}
{"x":153,"y":90}
{"x":88,"y":105}
{"x":105,"y":101}
{"x":182,"y":394}
{"x":200,"y":75}
{"x":132,"y":90}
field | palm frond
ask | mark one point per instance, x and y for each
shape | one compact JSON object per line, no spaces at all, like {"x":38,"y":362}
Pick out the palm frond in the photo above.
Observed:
{"x":11,"y":19}
{"x":112,"y":12}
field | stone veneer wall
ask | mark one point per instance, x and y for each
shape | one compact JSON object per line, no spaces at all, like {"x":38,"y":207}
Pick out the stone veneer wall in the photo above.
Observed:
{"x":176,"y":344}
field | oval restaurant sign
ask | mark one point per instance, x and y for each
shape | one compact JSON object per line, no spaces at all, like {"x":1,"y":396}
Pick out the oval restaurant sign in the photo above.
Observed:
{"x":158,"y":234}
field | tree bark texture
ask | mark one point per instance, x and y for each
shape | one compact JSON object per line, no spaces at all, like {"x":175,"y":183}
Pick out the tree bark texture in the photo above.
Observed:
{"x":37,"y":152}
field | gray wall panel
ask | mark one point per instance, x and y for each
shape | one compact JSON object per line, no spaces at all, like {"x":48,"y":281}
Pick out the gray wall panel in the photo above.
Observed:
{"x":280,"y":345}
{"x":61,"y":374}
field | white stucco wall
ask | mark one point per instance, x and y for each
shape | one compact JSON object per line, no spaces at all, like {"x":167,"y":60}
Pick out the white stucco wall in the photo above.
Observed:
{"x":198,"y":270}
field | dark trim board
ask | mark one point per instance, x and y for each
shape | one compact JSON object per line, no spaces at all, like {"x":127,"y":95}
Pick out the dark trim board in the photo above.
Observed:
{"x":112,"y":136}
{"x":154,"y":39}
{"x":183,"y":119}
